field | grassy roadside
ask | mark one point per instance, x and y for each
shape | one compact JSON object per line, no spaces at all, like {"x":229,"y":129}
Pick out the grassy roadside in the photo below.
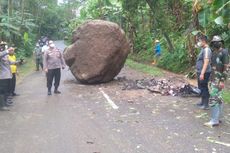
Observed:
{"x":226,"y":96}
{"x":27,"y":68}
{"x":154,"y":71}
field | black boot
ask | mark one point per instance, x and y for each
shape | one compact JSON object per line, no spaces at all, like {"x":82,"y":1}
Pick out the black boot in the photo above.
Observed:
{"x":49,"y":92}
{"x":9,"y":102}
{"x":205,"y":103}
{"x":199,"y":104}
{"x":56,"y":91}
{"x":3,"y":104}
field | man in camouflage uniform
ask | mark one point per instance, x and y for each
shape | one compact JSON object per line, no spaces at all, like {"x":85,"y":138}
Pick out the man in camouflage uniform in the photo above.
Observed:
{"x":219,"y":75}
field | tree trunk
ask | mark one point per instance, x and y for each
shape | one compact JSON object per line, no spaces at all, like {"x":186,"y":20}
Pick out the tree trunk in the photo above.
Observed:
{"x":101,"y":15}
{"x":191,"y":49}
{"x":0,"y":9}
{"x":10,"y":8}
{"x":142,"y":20}
{"x":196,"y":24}
{"x":22,"y":11}
{"x":150,"y":4}
{"x":170,"y":45}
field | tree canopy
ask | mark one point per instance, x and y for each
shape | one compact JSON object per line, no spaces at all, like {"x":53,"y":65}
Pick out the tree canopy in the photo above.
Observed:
{"x":173,"y":22}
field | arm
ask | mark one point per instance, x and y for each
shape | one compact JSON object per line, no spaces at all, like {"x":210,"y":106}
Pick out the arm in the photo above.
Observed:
{"x":62,"y":61}
{"x":207,"y":57}
{"x":225,"y":60}
{"x":4,"y":53}
{"x":14,"y":63}
{"x":45,"y":62}
{"x":204,"y":68}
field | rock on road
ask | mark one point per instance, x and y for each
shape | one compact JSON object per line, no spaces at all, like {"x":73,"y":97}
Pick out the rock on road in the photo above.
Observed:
{"x":105,"y":119}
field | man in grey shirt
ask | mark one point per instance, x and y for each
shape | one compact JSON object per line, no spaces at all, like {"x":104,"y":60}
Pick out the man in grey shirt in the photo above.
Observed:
{"x":203,"y":67}
{"x":5,"y":75}
{"x":53,"y":62}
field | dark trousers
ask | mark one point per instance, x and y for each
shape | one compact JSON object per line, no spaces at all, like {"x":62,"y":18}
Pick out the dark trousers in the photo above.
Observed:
{"x":53,"y":74}
{"x":39,"y":62}
{"x":12,"y":84}
{"x":4,"y":91}
{"x":203,"y":85}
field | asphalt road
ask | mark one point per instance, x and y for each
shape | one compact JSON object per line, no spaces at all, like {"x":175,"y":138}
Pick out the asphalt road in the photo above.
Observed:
{"x":105,"y":119}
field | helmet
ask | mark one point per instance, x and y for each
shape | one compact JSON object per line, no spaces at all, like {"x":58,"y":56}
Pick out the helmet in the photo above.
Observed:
{"x":216,"y":39}
{"x":157,"y":41}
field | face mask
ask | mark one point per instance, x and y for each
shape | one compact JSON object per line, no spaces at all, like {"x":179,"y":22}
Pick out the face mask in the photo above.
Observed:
{"x":52,"y":45}
{"x":199,"y":44}
{"x":217,"y":45}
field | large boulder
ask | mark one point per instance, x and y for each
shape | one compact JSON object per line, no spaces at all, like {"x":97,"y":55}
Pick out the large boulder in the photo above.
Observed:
{"x":98,"y":51}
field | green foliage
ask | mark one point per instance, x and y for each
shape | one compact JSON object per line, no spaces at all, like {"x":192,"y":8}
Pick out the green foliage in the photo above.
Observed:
{"x":226,"y":96}
{"x":214,"y":18}
{"x":177,"y":61}
{"x":31,"y":19}
{"x":143,"y":42}
{"x":25,"y":69}
{"x":26,"y":48}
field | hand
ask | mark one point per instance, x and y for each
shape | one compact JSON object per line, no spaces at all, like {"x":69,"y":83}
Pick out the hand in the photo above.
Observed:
{"x":46,"y":70}
{"x":201,"y":76}
{"x":221,"y":85}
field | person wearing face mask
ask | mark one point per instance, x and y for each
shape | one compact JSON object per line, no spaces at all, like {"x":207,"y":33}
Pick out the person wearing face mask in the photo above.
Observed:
{"x":5,"y":75}
{"x":220,"y":62}
{"x":45,"y":47}
{"x":203,"y":68}
{"x":53,"y":62}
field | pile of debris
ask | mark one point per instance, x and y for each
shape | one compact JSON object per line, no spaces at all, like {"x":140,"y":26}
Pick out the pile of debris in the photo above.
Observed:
{"x":163,"y":87}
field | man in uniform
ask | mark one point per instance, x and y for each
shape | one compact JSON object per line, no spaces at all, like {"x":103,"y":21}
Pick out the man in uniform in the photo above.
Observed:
{"x":219,"y":74}
{"x":5,"y":75}
{"x":53,"y":62}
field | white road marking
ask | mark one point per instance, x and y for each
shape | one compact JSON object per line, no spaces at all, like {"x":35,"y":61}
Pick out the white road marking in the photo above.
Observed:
{"x":111,"y":103}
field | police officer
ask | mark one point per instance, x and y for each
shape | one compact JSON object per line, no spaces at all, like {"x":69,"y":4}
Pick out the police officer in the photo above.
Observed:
{"x":219,"y":63}
{"x":203,"y":68}
{"x":5,"y":75}
{"x":53,"y":62}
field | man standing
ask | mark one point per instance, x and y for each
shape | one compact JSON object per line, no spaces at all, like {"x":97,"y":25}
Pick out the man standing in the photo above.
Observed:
{"x":157,"y":50}
{"x":219,"y":63}
{"x":13,"y":67}
{"x":38,"y":57}
{"x":5,"y":75}
{"x":203,"y":68}
{"x":53,"y":62}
